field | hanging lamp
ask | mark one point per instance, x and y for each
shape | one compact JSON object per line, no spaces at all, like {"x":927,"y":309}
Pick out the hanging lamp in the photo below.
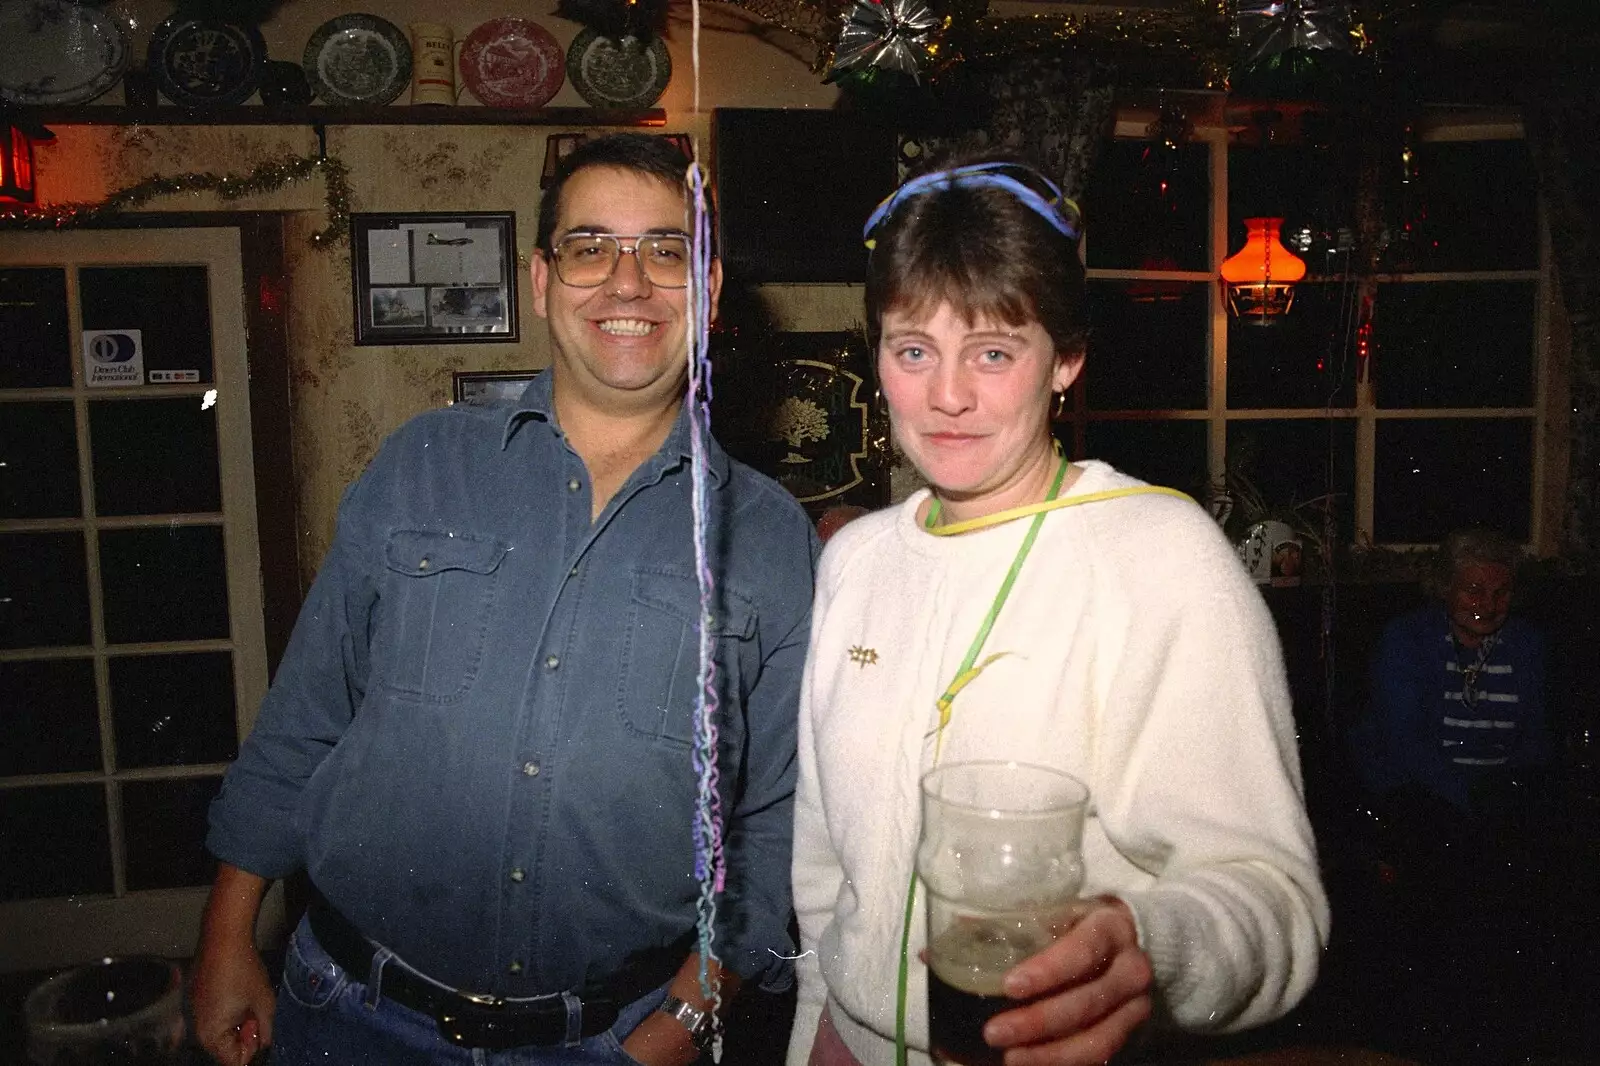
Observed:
{"x":1259,"y":278}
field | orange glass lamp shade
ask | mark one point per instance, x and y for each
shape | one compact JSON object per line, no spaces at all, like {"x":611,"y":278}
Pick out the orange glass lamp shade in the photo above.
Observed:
{"x":1259,"y":278}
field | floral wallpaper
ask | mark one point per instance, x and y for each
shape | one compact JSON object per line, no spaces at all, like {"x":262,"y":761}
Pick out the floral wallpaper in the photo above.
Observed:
{"x":345,"y":399}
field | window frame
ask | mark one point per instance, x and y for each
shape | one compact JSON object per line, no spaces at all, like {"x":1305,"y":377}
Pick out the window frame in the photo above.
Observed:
{"x":1549,"y":449}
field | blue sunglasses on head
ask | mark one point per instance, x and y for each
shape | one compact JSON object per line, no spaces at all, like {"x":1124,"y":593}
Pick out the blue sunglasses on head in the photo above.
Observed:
{"x":992,"y":174}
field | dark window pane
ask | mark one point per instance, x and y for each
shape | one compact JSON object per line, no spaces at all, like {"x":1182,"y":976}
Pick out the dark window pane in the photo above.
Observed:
{"x":169,"y":304}
{"x":34,"y":342}
{"x":48,"y":717}
{"x":1471,"y":205}
{"x":1287,"y":463}
{"x":1434,"y":475}
{"x":173,"y":710}
{"x":164,"y":584}
{"x":1148,"y":207}
{"x":1454,"y":344}
{"x":38,"y":461}
{"x":1310,"y":188}
{"x":54,"y":841}
{"x":1170,"y":453}
{"x":1304,"y":359}
{"x":1147,"y":346}
{"x":44,"y":593}
{"x":154,"y":457}
{"x":164,"y":823}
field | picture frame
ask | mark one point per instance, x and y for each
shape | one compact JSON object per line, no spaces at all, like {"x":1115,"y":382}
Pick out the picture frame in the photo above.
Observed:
{"x":804,"y":409}
{"x":434,"y":277}
{"x":489,"y":386}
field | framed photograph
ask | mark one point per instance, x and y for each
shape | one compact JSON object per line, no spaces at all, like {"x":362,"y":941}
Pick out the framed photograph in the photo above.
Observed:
{"x":434,"y":278}
{"x":490,"y":386}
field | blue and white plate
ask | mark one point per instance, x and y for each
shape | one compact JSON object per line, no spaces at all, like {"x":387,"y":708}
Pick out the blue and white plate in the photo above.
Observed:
{"x":58,"y":53}
{"x":206,"y":63}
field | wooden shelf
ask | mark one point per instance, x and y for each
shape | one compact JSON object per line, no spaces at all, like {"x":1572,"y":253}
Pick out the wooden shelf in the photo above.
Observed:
{"x":423,"y":115}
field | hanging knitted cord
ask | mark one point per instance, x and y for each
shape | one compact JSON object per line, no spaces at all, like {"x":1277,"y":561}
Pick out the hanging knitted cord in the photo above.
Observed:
{"x":710,"y":864}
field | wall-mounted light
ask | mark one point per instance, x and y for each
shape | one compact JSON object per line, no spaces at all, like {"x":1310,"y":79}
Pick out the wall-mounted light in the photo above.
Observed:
{"x":1259,"y":278}
{"x":19,"y":181}
{"x":557,"y":146}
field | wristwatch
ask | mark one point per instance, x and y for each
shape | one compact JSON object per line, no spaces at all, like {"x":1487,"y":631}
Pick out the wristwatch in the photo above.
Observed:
{"x":698,"y":1022}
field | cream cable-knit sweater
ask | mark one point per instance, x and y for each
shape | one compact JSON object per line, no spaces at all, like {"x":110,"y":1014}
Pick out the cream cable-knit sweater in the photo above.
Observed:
{"x":1141,"y":659}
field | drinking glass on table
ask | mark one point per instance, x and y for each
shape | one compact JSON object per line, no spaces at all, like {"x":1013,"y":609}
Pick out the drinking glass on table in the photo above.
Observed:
{"x":1000,"y":859}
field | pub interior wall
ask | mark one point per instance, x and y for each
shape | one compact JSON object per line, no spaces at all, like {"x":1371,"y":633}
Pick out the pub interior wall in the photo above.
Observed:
{"x":345,"y":399}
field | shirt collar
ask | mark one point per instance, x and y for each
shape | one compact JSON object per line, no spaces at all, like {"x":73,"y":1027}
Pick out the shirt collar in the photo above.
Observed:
{"x":538,"y":402}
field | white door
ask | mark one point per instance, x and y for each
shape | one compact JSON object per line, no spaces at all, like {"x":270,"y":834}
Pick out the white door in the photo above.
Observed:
{"x":131,"y":641}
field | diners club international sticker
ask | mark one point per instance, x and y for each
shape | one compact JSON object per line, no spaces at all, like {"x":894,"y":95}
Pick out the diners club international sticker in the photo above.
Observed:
{"x":113,"y":358}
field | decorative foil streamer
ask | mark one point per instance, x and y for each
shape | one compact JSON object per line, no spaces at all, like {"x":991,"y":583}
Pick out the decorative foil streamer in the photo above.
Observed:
{"x":1270,"y":27}
{"x":895,"y":35}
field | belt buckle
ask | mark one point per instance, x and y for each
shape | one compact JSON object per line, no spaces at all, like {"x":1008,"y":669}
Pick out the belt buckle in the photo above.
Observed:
{"x":487,"y":1022}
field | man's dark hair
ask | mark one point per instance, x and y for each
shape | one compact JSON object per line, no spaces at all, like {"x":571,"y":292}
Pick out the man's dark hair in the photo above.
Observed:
{"x":643,"y":153}
{"x":982,"y":250}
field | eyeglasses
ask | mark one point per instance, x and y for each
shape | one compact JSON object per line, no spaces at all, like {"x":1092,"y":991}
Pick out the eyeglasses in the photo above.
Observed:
{"x":587,"y":260}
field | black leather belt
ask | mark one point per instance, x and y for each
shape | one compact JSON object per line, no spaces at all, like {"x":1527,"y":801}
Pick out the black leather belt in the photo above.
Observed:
{"x":468,"y":1020}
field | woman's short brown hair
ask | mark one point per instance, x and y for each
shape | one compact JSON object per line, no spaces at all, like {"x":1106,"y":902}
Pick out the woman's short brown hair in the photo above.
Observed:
{"x":981,"y":249}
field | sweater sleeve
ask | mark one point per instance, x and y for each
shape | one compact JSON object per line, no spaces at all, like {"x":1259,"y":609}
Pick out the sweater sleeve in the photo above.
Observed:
{"x":1199,"y":780}
{"x":817,"y":871}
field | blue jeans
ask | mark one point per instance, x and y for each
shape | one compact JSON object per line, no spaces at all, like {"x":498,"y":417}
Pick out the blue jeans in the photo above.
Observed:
{"x":327,"y":1017}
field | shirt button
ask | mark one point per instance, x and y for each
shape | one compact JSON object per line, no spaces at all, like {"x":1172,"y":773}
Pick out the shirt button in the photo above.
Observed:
{"x":515,"y":968}
{"x":422,"y":564}
{"x":530,"y":769}
{"x":552,"y":662}
{"x":574,"y":485}
{"x":517,"y":875}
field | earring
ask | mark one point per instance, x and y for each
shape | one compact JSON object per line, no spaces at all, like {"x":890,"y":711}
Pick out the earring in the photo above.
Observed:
{"x":1058,"y":409}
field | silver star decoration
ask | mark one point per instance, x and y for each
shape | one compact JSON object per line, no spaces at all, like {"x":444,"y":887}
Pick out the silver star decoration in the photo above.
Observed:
{"x":892,"y":35}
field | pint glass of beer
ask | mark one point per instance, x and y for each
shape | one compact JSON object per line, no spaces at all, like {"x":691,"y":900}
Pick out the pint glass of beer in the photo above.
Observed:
{"x":1001,"y":864}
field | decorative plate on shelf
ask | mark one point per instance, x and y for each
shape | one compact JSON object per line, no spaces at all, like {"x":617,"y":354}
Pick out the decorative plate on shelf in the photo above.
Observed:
{"x":358,"y":59}
{"x":58,"y":52}
{"x":618,"y":72}
{"x":511,"y":62}
{"x":206,"y":63}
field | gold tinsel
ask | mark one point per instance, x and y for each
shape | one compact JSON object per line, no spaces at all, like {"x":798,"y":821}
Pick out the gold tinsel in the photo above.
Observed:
{"x":267,"y":177}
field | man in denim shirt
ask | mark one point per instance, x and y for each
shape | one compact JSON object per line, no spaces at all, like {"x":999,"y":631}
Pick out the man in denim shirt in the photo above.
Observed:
{"x":479,"y":742}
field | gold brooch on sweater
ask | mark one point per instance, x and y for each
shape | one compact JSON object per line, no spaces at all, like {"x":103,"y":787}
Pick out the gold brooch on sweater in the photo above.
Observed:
{"x":863,"y":657}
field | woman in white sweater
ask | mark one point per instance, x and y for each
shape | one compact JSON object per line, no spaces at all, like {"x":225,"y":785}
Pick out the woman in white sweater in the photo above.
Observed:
{"x":1129,"y":649}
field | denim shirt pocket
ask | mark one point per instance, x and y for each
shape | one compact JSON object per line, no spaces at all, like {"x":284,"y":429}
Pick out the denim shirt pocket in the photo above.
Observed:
{"x":439,"y":590}
{"x":661,"y":654}
{"x":310,"y":977}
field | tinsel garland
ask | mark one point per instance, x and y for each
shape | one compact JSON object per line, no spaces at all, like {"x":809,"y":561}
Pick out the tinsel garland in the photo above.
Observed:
{"x":264,"y":178}
{"x":1186,"y":45}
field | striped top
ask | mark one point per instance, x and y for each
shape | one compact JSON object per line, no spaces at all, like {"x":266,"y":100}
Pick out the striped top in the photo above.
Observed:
{"x":1480,"y":723}
{"x":1445,"y":719}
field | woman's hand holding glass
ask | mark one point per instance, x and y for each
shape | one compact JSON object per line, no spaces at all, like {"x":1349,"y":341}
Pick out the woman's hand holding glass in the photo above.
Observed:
{"x":1086,"y":993}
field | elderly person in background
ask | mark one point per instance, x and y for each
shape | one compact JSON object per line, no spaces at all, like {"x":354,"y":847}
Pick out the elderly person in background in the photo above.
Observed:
{"x":1126,"y":647}
{"x":1458,"y":700}
{"x":1455,"y":753}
